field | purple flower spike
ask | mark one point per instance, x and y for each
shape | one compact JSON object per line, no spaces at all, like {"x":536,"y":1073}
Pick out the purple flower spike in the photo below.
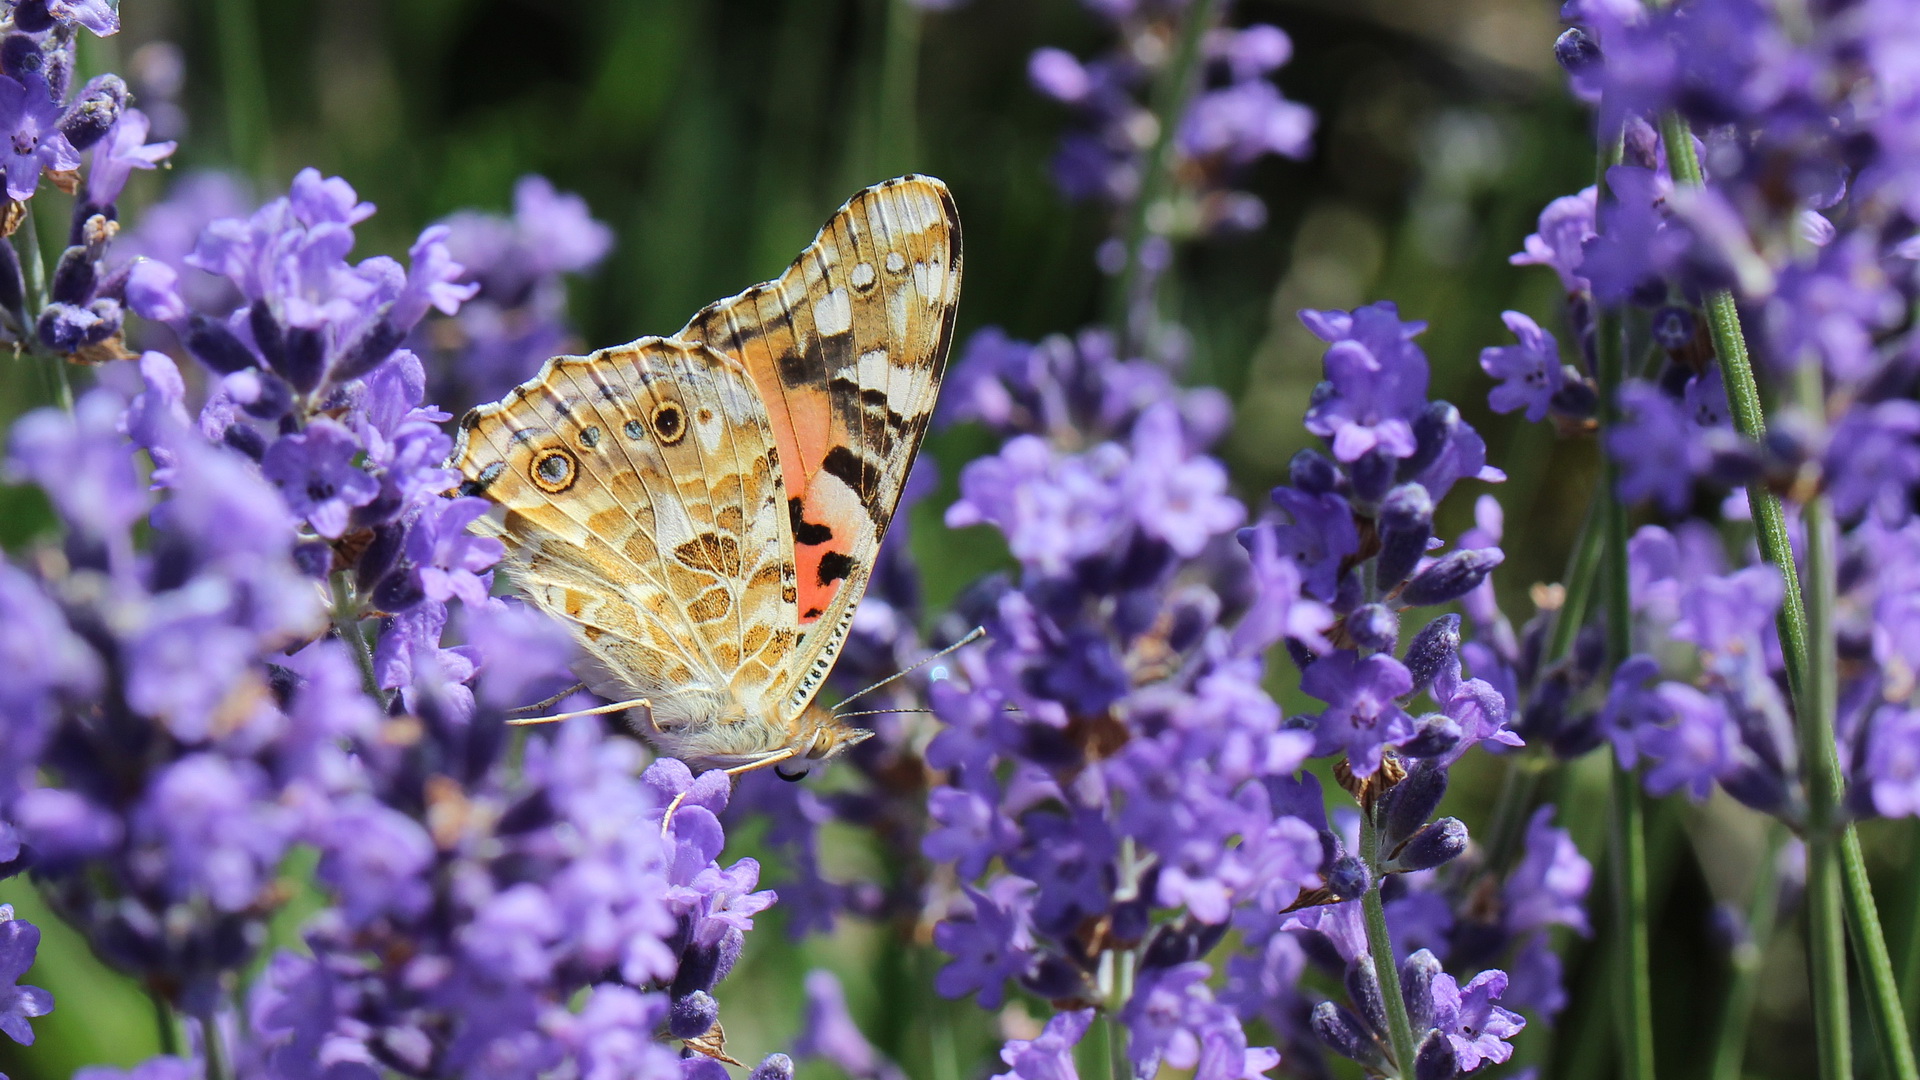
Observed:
{"x":19,"y":940}
{"x":1893,"y":761}
{"x":1530,"y":373}
{"x":1549,"y":887}
{"x":993,"y":946}
{"x":1565,"y":225}
{"x":1376,"y":381}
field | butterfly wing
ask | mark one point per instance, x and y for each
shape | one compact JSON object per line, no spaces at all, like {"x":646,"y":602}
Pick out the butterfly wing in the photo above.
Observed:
{"x":847,"y":349}
{"x":639,"y":496}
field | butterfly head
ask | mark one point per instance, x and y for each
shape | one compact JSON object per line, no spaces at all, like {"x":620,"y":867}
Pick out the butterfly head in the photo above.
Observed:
{"x":820,"y":736}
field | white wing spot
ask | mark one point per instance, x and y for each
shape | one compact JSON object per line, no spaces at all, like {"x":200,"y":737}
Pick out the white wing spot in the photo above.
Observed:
{"x":862,"y":275}
{"x":833,"y":313}
{"x":930,"y":279}
{"x":896,"y":262}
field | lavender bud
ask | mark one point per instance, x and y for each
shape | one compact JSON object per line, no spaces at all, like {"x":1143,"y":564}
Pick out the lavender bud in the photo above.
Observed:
{"x":20,"y":56}
{"x":699,"y":966}
{"x":32,"y":16}
{"x":1343,"y":1034}
{"x":1417,"y":973}
{"x":379,"y":555}
{"x":1406,"y":524}
{"x":1437,"y":844}
{"x":1057,"y":978}
{"x":690,"y":1017}
{"x":1374,"y":626}
{"x":1363,"y":990}
{"x":1576,"y":400}
{"x":271,"y":397}
{"x":247,"y":439}
{"x":1454,"y":575}
{"x":1435,"y":649}
{"x":1589,"y":654}
{"x":1435,"y":735}
{"x":369,"y":350}
{"x":398,"y":591}
{"x":64,"y":328}
{"x":1372,"y":475}
{"x":1732,"y":460}
{"x":1348,"y":878}
{"x":13,"y":288}
{"x":305,"y":360}
{"x":1433,"y":431}
{"x":1436,"y":1060}
{"x":214,"y":345}
{"x":1411,"y":802}
{"x":1576,"y":51}
{"x":1313,"y":473}
{"x":267,"y":336}
{"x":1577,"y":736}
{"x":775,"y":1067}
{"x":93,"y":113}
{"x":1547,"y":708}
{"x":1757,"y":786}
{"x":1673,"y":327}
{"x":314,"y":558}
{"x":73,"y":277}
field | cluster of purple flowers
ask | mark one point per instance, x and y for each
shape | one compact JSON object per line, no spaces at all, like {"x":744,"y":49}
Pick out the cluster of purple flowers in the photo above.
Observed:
{"x":1236,"y":117}
{"x":516,"y":316}
{"x":264,"y":627}
{"x":1805,"y":142}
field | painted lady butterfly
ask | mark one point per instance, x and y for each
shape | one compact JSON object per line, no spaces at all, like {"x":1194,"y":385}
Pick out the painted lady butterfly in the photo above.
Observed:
{"x":703,"y":510}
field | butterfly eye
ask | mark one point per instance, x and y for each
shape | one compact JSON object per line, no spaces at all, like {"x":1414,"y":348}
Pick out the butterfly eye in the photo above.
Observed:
{"x":553,"y":471}
{"x":669,"y":423}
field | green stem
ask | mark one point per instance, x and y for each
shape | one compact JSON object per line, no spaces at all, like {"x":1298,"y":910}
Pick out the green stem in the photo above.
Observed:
{"x":1380,"y":945}
{"x":346,"y":623}
{"x":898,"y":149}
{"x":213,"y":1047}
{"x":245,"y":83}
{"x":1817,"y":705}
{"x":1118,"y":1065}
{"x":1171,"y":95}
{"x":1627,"y":809}
{"x":164,"y":1022}
{"x":1730,"y":1041}
{"x":1910,"y":947}
{"x":1876,"y":967}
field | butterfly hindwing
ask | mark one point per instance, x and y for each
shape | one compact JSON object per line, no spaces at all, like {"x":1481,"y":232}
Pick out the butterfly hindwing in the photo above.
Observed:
{"x":640,"y":499}
{"x":847,"y":349}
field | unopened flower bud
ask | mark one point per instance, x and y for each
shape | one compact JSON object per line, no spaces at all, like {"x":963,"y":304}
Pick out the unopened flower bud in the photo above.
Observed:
{"x":1417,"y":973}
{"x":1363,"y":990}
{"x":1405,"y":808}
{"x":1576,"y":399}
{"x":775,"y":1067}
{"x":1374,"y":626}
{"x":20,"y":56}
{"x":1436,"y":1059}
{"x":1450,"y":577}
{"x":1435,"y":845}
{"x":1435,"y":735}
{"x":1576,"y":51}
{"x":213,"y":344}
{"x":74,"y":276}
{"x":1347,"y":878}
{"x":1373,"y":474}
{"x":1344,"y":1034}
{"x":1406,"y":524}
{"x":1672,"y":327}
{"x":692,"y":1016}
{"x":1313,"y":472}
{"x":32,"y":16}
{"x":1434,"y":649}
{"x":94,"y":111}
{"x":1056,"y":978}
{"x":1433,"y":431}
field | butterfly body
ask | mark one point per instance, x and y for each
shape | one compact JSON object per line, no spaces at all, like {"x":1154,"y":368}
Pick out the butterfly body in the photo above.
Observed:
{"x":704,"y":510}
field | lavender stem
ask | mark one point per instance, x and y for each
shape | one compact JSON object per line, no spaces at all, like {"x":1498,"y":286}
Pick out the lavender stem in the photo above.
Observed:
{"x":1380,"y":945}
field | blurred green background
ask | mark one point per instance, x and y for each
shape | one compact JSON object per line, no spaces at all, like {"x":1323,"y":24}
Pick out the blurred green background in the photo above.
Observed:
{"x":715,"y":137}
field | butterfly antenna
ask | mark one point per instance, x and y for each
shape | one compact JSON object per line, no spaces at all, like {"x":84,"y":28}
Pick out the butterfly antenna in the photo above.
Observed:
{"x":598,"y":710}
{"x":973,"y":635}
{"x":879,"y":712}
{"x":774,"y":758}
{"x":548,"y":703}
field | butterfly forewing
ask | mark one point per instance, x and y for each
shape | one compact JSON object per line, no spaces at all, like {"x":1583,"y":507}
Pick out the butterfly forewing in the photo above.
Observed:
{"x":640,"y":500}
{"x":847,"y":349}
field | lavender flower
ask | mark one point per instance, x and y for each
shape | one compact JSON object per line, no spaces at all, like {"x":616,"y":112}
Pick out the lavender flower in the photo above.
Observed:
{"x":19,"y":940}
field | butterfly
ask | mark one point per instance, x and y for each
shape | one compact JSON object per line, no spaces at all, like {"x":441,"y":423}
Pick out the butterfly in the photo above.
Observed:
{"x":703,"y":510}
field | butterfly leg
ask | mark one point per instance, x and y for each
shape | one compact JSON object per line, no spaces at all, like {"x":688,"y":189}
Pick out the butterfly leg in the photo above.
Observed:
{"x":599,"y":710}
{"x":548,"y":703}
{"x":773,"y":758}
